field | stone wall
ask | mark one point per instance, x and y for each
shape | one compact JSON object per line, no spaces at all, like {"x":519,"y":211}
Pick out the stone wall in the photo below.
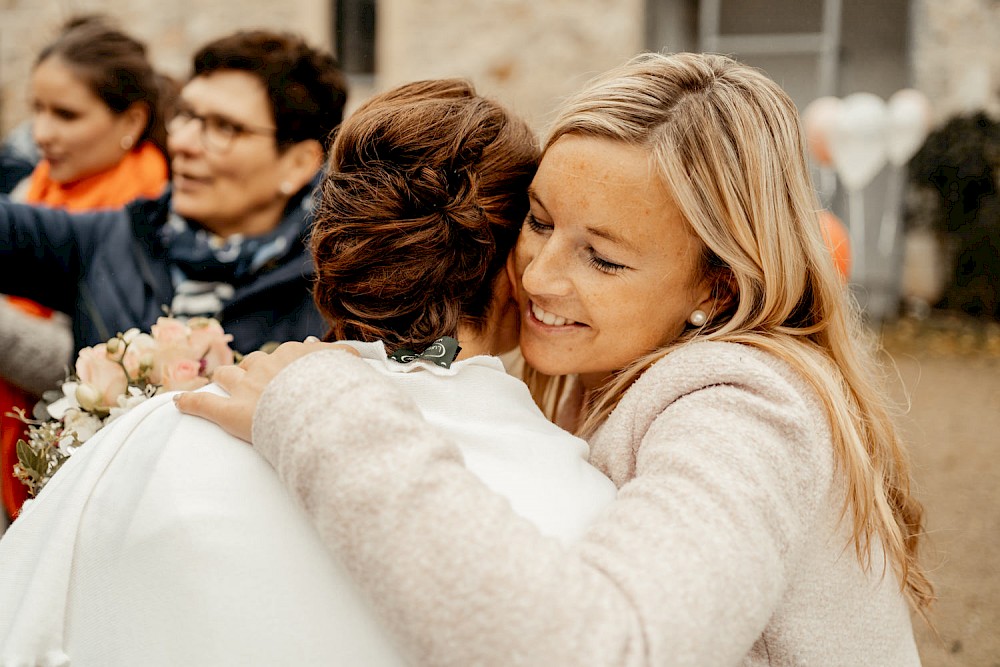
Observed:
{"x":528,"y":53}
{"x":956,"y":55}
{"x":173,"y":29}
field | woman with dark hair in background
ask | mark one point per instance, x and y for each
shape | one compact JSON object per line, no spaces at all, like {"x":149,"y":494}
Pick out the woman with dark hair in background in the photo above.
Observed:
{"x":98,"y":121}
{"x":227,"y":240}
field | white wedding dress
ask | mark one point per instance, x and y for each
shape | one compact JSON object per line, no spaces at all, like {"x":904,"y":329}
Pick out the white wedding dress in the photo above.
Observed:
{"x":165,"y":541}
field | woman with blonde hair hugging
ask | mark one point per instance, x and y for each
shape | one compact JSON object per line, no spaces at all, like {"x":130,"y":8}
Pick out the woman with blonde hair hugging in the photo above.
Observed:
{"x":672,"y":276}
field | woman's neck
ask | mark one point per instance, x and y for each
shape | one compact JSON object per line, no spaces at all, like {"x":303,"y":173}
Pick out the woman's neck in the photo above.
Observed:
{"x":473,"y":343}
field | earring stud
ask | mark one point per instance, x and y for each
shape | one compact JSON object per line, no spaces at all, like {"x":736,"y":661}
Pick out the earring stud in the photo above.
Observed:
{"x":698,"y":318}
{"x":127,"y":142}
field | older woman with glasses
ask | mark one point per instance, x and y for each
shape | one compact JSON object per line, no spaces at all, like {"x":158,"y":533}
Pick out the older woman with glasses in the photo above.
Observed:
{"x":226,"y":240}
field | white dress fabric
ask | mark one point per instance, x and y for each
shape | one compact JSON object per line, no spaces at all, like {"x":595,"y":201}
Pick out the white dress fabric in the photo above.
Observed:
{"x":165,"y":541}
{"x":504,"y":439}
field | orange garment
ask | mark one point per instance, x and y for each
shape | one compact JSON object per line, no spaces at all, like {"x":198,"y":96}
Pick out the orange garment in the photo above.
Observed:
{"x":141,"y":173}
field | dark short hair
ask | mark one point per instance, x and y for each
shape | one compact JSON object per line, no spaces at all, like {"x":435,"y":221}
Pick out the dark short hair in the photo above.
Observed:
{"x":422,"y":202}
{"x":305,"y":86}
{"x":116,"y":68}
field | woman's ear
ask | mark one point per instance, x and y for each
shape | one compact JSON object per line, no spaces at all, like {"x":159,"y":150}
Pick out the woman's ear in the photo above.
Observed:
{"x":503,"y":286}
{"x":511,"y":270}
{"x":300,"y":162}
{"x":134,"y":121}
{"x":503,"y":314}
{"x":718,"y":292}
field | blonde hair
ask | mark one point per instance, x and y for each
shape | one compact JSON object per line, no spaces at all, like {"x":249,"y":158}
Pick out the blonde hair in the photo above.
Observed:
{"x":727,"y":143}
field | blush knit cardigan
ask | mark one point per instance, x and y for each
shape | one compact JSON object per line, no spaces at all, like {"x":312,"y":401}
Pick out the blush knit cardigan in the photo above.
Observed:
{"x":723,"y":547}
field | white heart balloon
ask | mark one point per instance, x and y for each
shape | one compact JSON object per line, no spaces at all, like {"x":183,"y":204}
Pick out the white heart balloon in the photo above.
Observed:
{"x":817,"y":119}
{"x":909,"y":123}
{"x":857,"y":139}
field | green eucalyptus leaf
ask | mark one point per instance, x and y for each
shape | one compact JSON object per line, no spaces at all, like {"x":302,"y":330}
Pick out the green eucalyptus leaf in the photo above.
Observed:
{"x":26,"y":456}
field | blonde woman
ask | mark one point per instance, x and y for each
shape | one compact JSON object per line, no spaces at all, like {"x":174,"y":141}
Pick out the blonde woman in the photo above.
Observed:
{"x":672,"y":275}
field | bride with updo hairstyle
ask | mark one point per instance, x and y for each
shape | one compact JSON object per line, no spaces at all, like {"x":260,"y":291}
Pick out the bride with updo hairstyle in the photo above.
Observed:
{"x":426,"y":193}
{"x":182,"y":537}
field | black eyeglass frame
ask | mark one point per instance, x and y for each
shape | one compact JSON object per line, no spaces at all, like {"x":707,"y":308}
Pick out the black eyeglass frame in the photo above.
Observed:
{"x":217,"y":133}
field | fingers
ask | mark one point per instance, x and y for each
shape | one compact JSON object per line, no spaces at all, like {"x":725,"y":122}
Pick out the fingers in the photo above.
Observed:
{"x":200,"y":403}
{"x":245,"y":383}
{"x":228,"y":377}
{"x":235,"y":417}
{"x":253,"y":359}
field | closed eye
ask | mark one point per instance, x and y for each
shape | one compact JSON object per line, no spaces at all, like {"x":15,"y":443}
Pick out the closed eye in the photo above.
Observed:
{"x":535,"y":225}
{"x":604,"y":265}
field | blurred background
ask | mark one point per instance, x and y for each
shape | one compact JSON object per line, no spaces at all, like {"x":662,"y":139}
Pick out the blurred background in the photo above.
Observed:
{"x":922,"y":225}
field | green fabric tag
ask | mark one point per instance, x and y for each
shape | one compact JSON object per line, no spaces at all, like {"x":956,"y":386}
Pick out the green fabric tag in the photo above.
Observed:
{"x":441,"y":352}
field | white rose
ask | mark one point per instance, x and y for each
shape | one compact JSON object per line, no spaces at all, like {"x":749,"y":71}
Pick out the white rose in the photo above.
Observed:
{"x":82,"y":423}
{"x":57,"y":409}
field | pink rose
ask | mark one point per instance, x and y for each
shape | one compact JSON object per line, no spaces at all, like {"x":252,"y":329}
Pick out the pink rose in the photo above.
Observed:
{"x":210,"y":342}
{"x":169,"y":331}
{"x":181,"y":374}
{"x":139,"y":353}
{"x":107,"y":377}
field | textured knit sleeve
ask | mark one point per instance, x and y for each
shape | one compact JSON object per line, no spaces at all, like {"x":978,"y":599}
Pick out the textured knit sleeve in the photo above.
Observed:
{"x":684,"y":569}
{"x":35,"y":352}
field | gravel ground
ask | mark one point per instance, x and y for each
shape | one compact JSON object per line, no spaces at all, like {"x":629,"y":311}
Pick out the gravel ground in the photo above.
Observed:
{"x":950,"y":371}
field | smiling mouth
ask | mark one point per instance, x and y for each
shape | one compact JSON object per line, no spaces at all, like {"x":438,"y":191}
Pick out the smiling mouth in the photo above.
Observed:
{"x":550,"y":319}
{"x":185,"y":179}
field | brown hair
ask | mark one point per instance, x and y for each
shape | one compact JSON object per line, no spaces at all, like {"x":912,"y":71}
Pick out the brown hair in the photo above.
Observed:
{"x":305,"y":86}
{"x":423,"y":200}
{"x":115,"y":66}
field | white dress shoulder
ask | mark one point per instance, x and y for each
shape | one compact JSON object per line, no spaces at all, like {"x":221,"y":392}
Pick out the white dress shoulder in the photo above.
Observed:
{"x":504,"y":439}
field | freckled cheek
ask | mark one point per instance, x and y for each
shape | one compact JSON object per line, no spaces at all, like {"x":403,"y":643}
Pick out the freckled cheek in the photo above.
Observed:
{"x":521,"y":258}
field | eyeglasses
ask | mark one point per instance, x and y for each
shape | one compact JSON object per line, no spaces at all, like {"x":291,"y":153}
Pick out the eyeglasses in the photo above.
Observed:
{"x":217,"y":133}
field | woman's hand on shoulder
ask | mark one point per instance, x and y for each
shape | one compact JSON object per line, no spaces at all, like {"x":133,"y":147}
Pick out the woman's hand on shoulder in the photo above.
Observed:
{"x":245,"y":383}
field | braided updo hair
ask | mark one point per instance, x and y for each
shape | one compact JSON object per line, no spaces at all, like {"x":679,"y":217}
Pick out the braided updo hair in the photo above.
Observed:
{"x":423,"y":199}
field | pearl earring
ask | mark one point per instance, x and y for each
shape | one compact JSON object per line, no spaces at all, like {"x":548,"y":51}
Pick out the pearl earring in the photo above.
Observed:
{"x":286,"y":188}
{"x":127,"y":142}
{"x":698,"y":318}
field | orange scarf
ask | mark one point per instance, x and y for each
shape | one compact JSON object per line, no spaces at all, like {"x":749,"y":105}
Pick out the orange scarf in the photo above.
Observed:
{"x":141,"y":173}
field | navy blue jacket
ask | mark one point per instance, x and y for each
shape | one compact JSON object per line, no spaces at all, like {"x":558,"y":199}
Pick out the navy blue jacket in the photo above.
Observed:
{"x":107,"y":270}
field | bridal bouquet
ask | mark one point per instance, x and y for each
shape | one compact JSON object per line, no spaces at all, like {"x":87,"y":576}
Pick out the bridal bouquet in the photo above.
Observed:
{"x":111,"y":378}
